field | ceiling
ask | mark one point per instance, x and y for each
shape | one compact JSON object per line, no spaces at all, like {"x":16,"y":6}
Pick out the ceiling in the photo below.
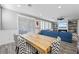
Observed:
{"x":47,"y":11}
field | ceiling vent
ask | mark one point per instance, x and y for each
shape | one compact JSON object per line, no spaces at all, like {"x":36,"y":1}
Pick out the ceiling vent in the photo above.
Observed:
{"x":30,"y":5}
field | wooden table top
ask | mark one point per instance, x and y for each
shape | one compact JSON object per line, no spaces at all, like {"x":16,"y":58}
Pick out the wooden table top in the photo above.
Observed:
{"x":40,"y":42}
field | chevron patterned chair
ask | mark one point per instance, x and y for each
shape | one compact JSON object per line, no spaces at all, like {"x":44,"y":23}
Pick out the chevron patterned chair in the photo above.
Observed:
{"x":56,"y":46}
{"x":24,"y":47}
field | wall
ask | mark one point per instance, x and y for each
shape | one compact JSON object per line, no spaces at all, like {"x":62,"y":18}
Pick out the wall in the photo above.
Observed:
{"x":78,"y":27}
{"x":0,"y":18}
{"x":72,"y":26}
{"x":9,"y":20}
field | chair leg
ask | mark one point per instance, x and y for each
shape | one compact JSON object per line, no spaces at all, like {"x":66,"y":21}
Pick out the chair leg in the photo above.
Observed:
{"x":36,"y":52}
{"x":17,"y":49}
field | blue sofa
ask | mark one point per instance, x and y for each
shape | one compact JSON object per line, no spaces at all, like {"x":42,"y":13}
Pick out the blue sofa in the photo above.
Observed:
{"x":65,"y":36}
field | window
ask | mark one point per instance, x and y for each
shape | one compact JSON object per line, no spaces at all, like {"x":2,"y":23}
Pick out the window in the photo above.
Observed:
{"x":45,"y":25}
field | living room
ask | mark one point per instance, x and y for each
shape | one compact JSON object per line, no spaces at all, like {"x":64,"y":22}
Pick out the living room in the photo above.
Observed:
{"x":44,"y":21}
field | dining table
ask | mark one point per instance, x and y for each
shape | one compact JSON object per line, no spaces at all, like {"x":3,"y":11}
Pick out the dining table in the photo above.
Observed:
{"x":40,"y":42}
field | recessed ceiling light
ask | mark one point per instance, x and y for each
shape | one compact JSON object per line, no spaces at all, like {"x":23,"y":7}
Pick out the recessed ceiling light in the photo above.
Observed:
{"x":19,"y":5}
{"x":59,"y":7}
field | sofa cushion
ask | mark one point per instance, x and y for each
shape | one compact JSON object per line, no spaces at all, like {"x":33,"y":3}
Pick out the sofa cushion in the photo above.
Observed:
{"x":49,"y":33}
{"x":66,"y":36}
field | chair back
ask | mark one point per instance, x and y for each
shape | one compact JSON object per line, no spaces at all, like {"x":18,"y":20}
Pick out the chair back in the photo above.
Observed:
{"x":15,"y":39}
{"x":24,"y":47}
{"x":56,"y":46}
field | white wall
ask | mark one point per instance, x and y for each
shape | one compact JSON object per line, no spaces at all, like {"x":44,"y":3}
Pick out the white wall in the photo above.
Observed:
{"x":9,"y":20}
{"x":0,"y":18}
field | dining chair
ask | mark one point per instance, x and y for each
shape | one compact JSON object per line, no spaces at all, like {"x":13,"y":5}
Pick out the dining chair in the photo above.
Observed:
{"x":24,"y":47}
{"x":16,"y":43}
{"x":55,"y":48}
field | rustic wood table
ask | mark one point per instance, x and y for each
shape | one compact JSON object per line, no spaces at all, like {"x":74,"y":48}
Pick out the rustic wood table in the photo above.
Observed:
{"x":40,"y":42}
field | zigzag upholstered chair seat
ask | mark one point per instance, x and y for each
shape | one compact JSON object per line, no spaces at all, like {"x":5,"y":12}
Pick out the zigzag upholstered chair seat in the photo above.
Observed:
{"x":56,"y":46}
{"x":24,"y":47}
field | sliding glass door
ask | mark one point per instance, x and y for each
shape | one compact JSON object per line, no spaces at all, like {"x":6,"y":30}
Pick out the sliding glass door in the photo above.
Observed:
{"x":25,"y":25}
